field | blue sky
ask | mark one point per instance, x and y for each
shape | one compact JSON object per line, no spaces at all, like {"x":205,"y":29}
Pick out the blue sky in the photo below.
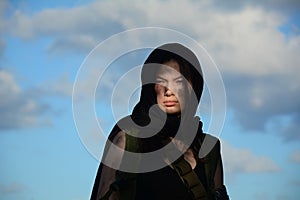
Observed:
{"x":255,"y":44}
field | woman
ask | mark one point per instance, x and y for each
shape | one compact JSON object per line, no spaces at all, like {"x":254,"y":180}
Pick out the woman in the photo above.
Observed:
{"x":172,"y":85}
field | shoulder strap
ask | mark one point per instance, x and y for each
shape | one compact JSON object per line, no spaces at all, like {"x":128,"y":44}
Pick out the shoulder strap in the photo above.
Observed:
{"x":190,"y":179}
{"x":125,"y":182}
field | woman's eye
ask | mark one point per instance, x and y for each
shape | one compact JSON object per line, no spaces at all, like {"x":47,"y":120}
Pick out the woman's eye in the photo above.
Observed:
{"x":161,"y":82}
{"x":179,"y":81}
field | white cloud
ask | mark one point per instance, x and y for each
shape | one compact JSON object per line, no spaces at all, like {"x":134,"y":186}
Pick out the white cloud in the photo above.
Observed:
{"x":238,"y":160}
{"x":71,"y":28}
{"x":18,"y":109}
{"x":61,"y":86}
{"x":258,"y":61}
{"x":243,"y":41}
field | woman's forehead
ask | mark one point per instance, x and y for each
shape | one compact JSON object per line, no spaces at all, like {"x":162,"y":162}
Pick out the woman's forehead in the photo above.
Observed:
{"x":169,"y":69}
{"x":168,"y":72}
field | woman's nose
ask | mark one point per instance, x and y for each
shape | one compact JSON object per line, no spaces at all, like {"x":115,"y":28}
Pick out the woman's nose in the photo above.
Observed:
{"x":168,"y":91}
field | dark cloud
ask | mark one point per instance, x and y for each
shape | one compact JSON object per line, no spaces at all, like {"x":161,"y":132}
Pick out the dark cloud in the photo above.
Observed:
{"x":3,"y":26}
{"x":70,"y":30}
{"x":18,"y":108}
{"x":291,"y":131}
{"x":237,"y":160}
{"x":21,"y":113}
{"x":86,"y":39}
{"x":2,"y":47}
{"x":278,"y":5}
{"x":259,"y":100}
{"x":295,"y":158}
{"x":245,"y":40}
{"x":294,"y":183}
{"x":13,"y":188}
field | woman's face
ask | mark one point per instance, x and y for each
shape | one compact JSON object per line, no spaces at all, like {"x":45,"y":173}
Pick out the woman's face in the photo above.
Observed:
{"x":170,"y":88}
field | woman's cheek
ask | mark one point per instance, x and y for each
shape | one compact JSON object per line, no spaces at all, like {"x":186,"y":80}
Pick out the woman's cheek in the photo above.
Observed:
{"x":158,"y":89}
{"x":180,"y":92}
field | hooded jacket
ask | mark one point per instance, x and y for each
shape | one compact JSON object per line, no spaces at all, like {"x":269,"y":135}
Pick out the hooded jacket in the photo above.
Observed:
{"x":149,"y":119}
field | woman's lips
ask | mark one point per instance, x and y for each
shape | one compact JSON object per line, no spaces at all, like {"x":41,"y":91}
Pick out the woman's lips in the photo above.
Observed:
{"x":170,"y":103}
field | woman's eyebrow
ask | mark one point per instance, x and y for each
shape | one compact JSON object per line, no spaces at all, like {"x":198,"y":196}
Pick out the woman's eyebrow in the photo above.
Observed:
{"x":160,"y":77}
{"x":179,"y":77}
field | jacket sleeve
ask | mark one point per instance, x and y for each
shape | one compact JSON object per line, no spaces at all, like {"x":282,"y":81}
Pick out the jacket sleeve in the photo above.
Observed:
{"x":220,"y":192}
{"x":213,"y":166}
{"x":105,"y":174}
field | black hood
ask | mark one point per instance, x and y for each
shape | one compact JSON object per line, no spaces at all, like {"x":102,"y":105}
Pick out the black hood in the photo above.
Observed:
{"x":189,"y":67}
{"x":151,"y":122}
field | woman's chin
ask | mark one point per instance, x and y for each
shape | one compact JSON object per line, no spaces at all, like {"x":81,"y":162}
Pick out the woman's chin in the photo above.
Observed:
{"x":171,"y":110}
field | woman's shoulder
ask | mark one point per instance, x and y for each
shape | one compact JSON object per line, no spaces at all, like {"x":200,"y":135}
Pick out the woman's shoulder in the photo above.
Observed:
{"x":210,"y":145}
{"x":120,"y":128}
{"x":206,"y":137}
